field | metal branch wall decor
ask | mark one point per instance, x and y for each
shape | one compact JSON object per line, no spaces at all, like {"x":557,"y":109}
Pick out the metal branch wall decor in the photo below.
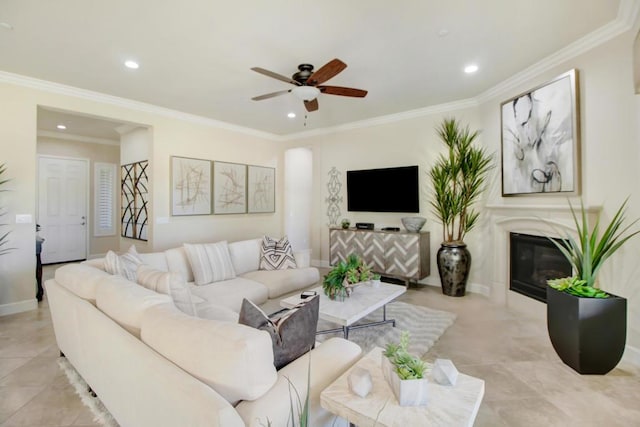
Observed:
{"x":134,"y":200}
{"x":335,"y":199}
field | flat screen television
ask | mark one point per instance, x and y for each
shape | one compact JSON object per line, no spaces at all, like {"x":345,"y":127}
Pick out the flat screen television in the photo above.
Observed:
{"x":383,"y":190}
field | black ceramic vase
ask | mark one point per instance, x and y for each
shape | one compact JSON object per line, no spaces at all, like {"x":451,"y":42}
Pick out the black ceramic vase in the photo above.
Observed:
{"x":454,"y":263}
{"x":589,"y":334}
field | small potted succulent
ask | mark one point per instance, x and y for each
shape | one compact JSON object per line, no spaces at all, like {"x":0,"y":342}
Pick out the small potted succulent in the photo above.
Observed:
{"x":345,"y":276}
{"x":588,"y":326}
{"x":405,"y":373}
{"x":345,"y":223}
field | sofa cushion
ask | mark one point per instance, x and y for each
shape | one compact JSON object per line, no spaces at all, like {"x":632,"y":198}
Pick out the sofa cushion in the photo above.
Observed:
{"x":124,"y":265}
{"x":167,"y":283}
{"x":157,"y":260}
{"x":125,"y":301}
{"x":235,"y":360}
{"x":280,"y":282}
{"x":229,"y":293}
{"x":292,"y":331}
{"x":178,"y":262}
{"x":328,"y":361}
{"x":210,"y":262}
{"x":276,"y":254}
{"x":81,"y":279}
{"x":245,"y":255}
{"x":213,"y":311}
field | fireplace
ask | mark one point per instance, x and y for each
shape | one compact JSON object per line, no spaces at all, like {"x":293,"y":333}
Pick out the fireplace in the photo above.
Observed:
{"x":534,"y":260}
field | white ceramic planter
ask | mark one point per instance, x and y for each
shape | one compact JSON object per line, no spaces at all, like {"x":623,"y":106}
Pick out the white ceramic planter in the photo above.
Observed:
{"x":408,"y":392}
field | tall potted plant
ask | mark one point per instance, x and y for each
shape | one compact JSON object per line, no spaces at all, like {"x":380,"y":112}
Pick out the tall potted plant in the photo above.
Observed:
{"x":4,"y":237}
{"x":458,"y":178}
{"x":588,"y":326}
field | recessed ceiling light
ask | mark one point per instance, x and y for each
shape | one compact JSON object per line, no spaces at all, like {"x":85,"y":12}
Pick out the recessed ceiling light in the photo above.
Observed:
{"x":443,"y":32}
{"x":131,"y":64}
{"x":291,"y":115}
{"x":61,"y":127}
{"x":469,"y":69}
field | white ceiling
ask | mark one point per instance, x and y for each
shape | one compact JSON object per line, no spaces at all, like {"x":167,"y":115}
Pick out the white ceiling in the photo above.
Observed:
{"x":195,"y":56}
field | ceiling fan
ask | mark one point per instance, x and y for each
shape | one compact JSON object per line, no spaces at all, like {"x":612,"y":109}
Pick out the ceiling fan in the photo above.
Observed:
{"x":309,"y":83}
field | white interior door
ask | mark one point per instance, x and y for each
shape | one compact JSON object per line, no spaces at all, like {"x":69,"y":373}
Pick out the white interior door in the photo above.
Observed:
{"x":62,"y":208}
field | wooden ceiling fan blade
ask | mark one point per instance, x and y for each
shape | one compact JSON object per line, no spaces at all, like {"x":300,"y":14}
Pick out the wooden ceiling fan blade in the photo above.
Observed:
{"x":270,"y":95}
{"x":311,"y":105}
{"x":343,"y":91}
{"x":327,"y":71}
{"x":275,"y":76}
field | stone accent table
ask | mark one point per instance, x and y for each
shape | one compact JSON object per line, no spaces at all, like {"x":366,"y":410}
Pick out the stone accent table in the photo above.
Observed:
{"x":447,"y":405}
{"x":365,"y":299}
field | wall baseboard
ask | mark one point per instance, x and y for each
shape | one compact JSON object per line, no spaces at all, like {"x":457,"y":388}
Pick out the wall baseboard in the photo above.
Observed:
{"x":18,"y":307}
{"x":631,"y":355}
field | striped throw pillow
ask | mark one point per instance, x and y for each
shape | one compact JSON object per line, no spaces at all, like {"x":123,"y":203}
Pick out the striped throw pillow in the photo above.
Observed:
{"x":168,"y":283}
{"x":124,"y":265}
{"x":210,"y":262}
{"x":276,"y":254}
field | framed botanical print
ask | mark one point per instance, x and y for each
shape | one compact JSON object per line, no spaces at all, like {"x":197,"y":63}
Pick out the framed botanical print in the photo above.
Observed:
{"x":261,"y":189}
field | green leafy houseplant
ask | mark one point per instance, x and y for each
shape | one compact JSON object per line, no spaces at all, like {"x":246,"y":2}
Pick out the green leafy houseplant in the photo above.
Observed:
{"x":4,"y":237}
{"x":588,"y":253}
{"x":407,"y":366}
{"x":339,"y":282}
{"x":458,"y":179}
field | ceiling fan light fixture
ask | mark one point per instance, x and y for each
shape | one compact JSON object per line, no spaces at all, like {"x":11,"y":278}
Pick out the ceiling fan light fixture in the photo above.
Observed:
{"x":306,"y":93}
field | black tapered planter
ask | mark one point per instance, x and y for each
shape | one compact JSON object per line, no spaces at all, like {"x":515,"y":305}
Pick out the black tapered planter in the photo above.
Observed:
{"x":454,"y":263}
{"x":589,"y":334}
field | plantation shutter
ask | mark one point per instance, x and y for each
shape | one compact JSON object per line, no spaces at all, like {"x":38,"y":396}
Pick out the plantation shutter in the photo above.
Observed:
{"x":105,"y":196}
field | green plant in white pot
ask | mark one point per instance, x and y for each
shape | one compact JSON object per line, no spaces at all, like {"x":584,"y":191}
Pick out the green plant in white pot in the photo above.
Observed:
{"x":405,"y":373}
{"x":458,"y":178}
{"x":587,"y":325}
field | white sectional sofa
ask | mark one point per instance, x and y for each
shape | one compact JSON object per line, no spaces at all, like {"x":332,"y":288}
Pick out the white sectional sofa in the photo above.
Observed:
{"x":153,"y":365}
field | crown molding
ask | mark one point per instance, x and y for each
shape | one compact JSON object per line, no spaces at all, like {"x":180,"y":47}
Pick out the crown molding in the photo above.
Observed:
{"x":390,"y":118}
{"x":626,"y":18}
{"x":60,"y":89}
{"x":79,"y":138}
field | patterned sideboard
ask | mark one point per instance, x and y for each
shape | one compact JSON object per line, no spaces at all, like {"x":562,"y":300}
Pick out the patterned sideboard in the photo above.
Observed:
{"x":390,"y":253}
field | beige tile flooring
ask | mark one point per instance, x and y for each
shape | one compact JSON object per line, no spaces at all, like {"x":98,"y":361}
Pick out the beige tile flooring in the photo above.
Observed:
{"x":526,"y":384}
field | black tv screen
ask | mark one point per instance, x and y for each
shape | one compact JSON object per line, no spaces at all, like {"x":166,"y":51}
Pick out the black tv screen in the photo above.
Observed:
{"x":383,"y":190}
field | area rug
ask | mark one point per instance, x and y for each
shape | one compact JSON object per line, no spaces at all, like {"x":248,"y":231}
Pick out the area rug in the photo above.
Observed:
{"x":424,"y":325}
{"x":101,"y":414}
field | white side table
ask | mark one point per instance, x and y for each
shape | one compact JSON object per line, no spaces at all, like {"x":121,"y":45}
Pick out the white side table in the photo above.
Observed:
{"x":447,"y":405}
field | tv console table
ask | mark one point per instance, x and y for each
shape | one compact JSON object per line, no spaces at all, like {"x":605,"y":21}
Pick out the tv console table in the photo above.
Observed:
{"x":398,"y":254}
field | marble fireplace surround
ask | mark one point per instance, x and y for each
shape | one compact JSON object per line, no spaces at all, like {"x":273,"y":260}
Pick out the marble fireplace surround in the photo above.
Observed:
{"x":541,"y":220}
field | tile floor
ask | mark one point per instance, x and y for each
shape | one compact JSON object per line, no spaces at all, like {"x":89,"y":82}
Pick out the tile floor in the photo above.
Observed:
{"x":526,"y":384}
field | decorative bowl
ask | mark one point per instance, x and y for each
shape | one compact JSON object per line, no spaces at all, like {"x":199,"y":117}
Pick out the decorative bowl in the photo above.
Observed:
{"x":413,"y":224}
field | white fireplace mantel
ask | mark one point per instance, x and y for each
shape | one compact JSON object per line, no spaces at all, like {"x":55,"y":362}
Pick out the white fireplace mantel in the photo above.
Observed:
{"x":542,"y":220}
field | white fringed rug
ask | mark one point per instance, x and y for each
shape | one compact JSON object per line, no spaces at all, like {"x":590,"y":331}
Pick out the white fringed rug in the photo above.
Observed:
{"x":424,"y":325}
{"x":101,"y":414}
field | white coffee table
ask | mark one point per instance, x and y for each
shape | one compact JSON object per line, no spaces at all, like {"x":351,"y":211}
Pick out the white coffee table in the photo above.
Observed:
{"x":446,"y":405}
{"x":363,"y":300}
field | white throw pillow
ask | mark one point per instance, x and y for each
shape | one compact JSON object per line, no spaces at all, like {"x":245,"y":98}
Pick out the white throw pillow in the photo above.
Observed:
{"x":210,"y":262}
{"x":168,"y":283}
{"x":276,"y":254}
{"x":124,"y":265}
